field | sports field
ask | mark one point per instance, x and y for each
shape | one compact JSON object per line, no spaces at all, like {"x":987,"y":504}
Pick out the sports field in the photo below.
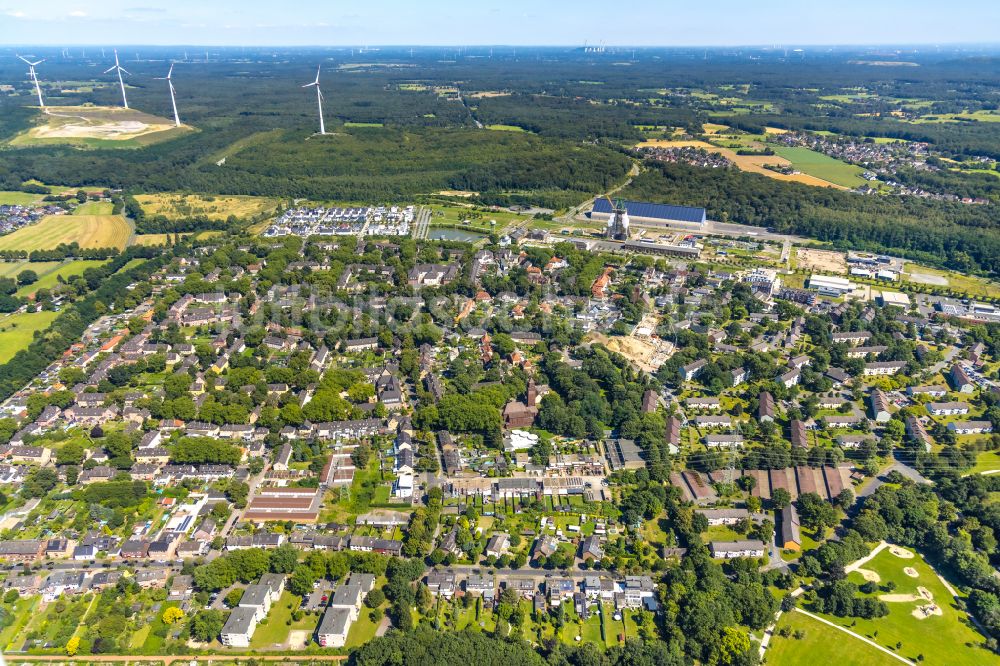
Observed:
{"x":214,"y":207}
{"x":98,"y":127}
{"x":87,"y":230}
{"x":822,"y":166}
{"x":18,"y":330}
{"x":923,"y":614}
{"x":819,"y":644}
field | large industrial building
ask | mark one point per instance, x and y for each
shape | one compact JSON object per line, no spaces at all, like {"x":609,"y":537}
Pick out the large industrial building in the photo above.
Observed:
{"x":652,"y":214}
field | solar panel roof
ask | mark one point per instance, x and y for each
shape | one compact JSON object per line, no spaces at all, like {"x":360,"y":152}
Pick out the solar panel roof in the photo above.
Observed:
{"x":654,"y":211}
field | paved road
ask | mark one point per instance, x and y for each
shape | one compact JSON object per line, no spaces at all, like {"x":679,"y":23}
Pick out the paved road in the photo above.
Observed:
{"x":873,"y":484}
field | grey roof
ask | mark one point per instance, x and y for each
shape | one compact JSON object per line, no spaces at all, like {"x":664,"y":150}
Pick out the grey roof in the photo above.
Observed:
{"x":240,"y":621}
{"x":335,"y":621}
{"x":254,"y":596}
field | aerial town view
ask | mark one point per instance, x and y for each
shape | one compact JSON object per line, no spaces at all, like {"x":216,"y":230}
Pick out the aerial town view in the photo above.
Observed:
{"x":499,"y":333}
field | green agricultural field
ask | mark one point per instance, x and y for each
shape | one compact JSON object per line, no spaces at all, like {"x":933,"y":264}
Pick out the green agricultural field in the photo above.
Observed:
{"x":18,"y":330}
{"x":947,"y":638}
{"x":353,"y":124}
{"x":49,"y":273}
{"x":820,"y":644}
{"x":965,"y":116}
{"x":94,"y":208}
{"x":89,"y":231}
{"x":822,"y":166}
{"x":18,"y":198}
{"x":11,"y":269}
{"x":506,"y":128}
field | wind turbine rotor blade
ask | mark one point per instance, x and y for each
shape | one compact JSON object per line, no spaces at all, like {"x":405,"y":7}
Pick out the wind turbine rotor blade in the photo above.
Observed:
{"x":170,"y":72}
{"x":109,"y":69}
{"x":125,"y":70}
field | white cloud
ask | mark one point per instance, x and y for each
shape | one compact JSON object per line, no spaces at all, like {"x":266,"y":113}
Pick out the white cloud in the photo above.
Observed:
{"x":15,"y":13}
{"x":78,"y":13}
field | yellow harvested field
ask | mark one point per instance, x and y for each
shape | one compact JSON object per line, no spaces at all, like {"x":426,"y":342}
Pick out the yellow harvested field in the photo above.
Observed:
{"x":151,"y":239}
{"x":775,"y":130}
{"x":89,"y":231}
{"x":458,"y":193}
{"x":214,"y":207}
{"x":749,"y":163}
{"x":713,"y":128}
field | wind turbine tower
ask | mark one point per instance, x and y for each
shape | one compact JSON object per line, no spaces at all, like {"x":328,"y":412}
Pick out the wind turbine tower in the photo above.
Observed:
{"x":319,"y":100}
{"x":119,"y":69}
{"x":173,"y":99}
{"x":34,"y":78}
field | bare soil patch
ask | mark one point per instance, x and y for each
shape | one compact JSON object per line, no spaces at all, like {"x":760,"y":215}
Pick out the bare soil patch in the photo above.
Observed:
{"x":822,"y":260}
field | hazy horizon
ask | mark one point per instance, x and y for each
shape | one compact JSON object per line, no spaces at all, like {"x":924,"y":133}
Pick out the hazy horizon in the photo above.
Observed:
{"x":447,"y":23}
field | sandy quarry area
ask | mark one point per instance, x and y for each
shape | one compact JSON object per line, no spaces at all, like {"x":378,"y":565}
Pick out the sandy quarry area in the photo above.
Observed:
{"x":109,"y":124}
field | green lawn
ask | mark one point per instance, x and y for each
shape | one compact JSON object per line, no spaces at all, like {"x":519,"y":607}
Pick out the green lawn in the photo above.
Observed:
{"x":942,"y":639}
{"x":820,"y":644}
{"x":18,"y":330}
{"x":822,"y":166}
{"x":987,"y":461}
{"x":363,"y":630}
{"x":275,"y":632}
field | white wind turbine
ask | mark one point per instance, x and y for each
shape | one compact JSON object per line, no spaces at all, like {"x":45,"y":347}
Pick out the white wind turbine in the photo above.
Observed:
{"x":119,"y":69}
{"x":319,"y":100}
{"x":173,"y":100}
{"x":34,"y":78}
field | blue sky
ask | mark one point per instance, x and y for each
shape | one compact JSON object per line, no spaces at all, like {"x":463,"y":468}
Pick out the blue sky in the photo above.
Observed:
{"x":555,"y":22}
